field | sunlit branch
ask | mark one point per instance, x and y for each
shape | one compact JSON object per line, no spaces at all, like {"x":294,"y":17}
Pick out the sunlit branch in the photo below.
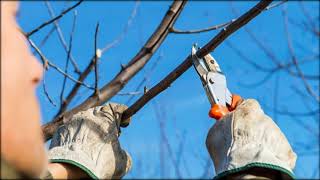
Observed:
{"x":90,"y":66}
{"x":186,"y":64}
{"x":215,"y":27}
{"x":119,"y":81}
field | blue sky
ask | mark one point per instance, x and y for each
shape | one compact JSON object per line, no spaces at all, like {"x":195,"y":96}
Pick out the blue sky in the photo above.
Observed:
{"x":183,"y":107}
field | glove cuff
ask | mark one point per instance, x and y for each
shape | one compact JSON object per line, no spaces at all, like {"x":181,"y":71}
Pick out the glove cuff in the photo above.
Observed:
{"x":255,"y":164}
{"x":63,"y":155}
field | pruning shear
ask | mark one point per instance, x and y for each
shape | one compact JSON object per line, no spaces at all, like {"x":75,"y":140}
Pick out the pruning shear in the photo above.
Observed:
{"x":215,"y":84}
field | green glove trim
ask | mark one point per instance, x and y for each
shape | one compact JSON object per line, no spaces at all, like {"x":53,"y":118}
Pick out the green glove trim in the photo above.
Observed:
{"x":85,"y":169}
{"x":255,"y":164}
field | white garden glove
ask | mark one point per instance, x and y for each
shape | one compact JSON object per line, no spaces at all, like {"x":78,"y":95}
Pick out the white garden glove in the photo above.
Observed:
{"x":247,"y":138}
{"x":90,"y":141}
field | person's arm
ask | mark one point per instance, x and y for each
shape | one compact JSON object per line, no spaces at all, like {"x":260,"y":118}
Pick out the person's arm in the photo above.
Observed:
{"x":246,"y":144}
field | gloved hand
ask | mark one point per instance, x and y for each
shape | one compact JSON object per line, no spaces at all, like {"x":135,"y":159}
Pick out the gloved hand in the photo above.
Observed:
{"x":247,"y":139}
{"x":90,"y":141}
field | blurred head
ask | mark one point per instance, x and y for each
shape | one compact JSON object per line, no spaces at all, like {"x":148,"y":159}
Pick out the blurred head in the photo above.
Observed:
{"x":21,"y":137}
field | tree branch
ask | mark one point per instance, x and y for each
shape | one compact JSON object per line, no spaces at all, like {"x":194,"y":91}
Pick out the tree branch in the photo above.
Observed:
{"x":90,"y":66}
{"x":68,"y":56}
{"x":125,"y":30}
{"x":135,"y":65}
{"x":215,"y":27}
{"x":97,"y":55}
{"x":61,"y":37}
{"x":46,"y":91}
{"x":53,"y":19}
{"x":186,"y":64}
{"x":294,"y":58}
{"x":47,"y":63}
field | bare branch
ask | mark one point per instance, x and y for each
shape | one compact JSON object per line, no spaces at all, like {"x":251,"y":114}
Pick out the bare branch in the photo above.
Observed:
{"x":289,"y":113}
{"x":47,"y":63}
{"x":97,"y":55}
{"x":53,"y":19}
{"x":294,"y":58}
{"x":90,"y":66}
{"x":134,"y":93}
{"x":45,"y":39}
{"x":186,"y":64}
{"x":68,"y":56}
{"x":61,"y":37}
{"x":307,"y":15}
{"x":215,"y":27}
{"x":147,"y":75}
{"x":269,"y":52}
{"x":46,"y":91}
{"x":135,"y":65}
{"x":278,"y":67}
{"x":275,"y":5}
{"x":125,"y":30}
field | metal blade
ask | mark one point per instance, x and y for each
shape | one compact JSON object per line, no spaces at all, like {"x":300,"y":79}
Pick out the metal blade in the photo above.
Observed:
{"x":200,"y":68}
{"x":211,"y":63}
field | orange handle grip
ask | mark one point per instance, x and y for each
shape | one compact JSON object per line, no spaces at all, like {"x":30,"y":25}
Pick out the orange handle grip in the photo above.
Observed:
{"x":236,"y":100}
{"x":217,"y":111}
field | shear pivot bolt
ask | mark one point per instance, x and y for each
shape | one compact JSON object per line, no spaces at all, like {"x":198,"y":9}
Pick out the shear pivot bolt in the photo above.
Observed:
{"x":211,"y":81}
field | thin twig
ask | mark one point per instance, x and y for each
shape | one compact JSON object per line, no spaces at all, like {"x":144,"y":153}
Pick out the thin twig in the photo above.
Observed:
{"x":47,"y":63}
{"x":90,"y":66}
{"x":125,"y":30}
{"x":45,"y":39}
{"x":53,"y":19}
{"x":268,"y":51}
{"x":289,"y":113}
{"x":307,"y":15}
{"x":68,"y":56}
{"x":215,"y":27}
{"x":46,"y":91}
{"x":147,"y":75}
{"x":97,"y":55}
{"x":219,"y":26}
{"x":294,"y":58}
{"x":272,"y":71}
{"x":134,"y":66}
{"x":278,"y":66}
{"x":276,"y":4}
{"x":61,"y":37}
{"x":187,"y":63}
{"x":161,"y":116}
{"x":134,"y":93}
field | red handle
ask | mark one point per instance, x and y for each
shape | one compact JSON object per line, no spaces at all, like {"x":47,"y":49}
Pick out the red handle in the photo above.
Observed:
{"x":217,"y":111}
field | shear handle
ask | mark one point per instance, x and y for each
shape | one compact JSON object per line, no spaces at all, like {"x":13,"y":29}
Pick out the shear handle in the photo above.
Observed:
{"x":218,"y":111}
